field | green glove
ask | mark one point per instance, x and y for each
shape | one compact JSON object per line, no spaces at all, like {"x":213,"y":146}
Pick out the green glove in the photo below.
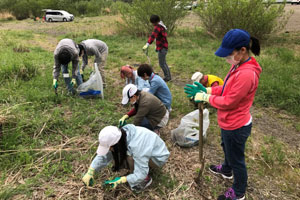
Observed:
{"x":88,"y":178}
{"x":200,"y":87}
{"x":201,"y":96}
{"x":122,"y":121}
{"x":192,"y":90}
{"x":73,"y":82}
{"x":55,"y":85}
{"x":116,"y":181}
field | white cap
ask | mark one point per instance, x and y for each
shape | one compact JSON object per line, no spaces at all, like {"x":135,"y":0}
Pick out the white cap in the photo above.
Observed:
{"x":197,"y":76}
{"x":108,"y":136}
{"x":128,"y":91}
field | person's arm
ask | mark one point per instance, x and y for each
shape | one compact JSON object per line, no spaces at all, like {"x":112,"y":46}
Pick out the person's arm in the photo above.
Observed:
{"x":141,"y":113}
{"x":240,"y":88}
{"x":132,"y":112}
{"x":84,"y":61}
{"x":216,"y":90}
{"x":75,"y":63}
{"x":100,"y":162}
{"x":141,"y":170}
{"x":153,"y":35}
{"x":56,"y":68}
{"x":97,"y":55}
{"x":153,"y":87}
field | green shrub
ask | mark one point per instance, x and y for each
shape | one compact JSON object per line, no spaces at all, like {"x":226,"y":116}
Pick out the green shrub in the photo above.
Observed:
{"x":258,"y":17}
{"x":137,"y":14}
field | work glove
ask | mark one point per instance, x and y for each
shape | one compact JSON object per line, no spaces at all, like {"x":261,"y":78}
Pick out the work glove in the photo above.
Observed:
{"x":191,"y":90}
{"x":73,"y":82}
{"x":116,"y":181}
{"x":122,"y":121}
{"x":55,"y":85}
{"x":88,"y":178}
{"x":146,"y":46}
{"x":202,"y":97}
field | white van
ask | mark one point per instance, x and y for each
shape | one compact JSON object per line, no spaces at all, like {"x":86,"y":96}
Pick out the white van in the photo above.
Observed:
{"x":58,"y":16}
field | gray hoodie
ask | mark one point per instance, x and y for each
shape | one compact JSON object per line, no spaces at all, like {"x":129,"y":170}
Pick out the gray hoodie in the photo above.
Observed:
{"x":95,"y":48}
{"x":72,"y":47}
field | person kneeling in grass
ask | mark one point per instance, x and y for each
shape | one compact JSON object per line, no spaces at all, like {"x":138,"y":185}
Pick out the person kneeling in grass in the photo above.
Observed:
{"x":148,"y":110}
{"x":207,"y":80}
{"x":158,"y":87}
{"x":130,"y":75}
{"x":139,"y":147}
{"x":233,"y":101}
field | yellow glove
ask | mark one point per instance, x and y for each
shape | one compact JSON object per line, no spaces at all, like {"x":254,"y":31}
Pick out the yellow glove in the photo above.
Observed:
{"x":55,"y":85}
{"x":88,"y":178}
{"x":116,"y":181}
{"x":73,"y":82}
{"x":146,"y":46}
{"x":201,"y":96}
{"x":122,"y":121}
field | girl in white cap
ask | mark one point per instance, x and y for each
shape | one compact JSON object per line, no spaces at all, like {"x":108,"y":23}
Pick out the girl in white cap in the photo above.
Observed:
{"x":137,"y":146}
{"x":233,"y":101}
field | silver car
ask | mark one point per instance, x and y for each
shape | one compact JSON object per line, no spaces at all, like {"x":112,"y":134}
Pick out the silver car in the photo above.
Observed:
{"x":58,"y":16}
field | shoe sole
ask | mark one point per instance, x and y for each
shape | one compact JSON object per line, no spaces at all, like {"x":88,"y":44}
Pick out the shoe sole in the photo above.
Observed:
{"x":242,"y":198}
{"x":225,"y":177}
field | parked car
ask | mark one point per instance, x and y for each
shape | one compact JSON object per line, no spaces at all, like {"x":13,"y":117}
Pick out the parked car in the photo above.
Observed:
{"x":189,"y":6}
{"x":295,"y":2}
{"x":58,"y":15}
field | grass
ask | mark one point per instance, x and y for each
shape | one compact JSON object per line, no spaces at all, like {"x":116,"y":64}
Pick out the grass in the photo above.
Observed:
{"x":52,"y":139}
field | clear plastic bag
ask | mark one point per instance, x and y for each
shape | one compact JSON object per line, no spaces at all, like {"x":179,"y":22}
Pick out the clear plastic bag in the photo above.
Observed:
{"x":187,"y":134}
{"x":92,"y":87}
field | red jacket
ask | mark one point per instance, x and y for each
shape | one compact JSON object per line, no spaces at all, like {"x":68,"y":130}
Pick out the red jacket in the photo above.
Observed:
{"x":236,"y":100}
{"x":160,"y":34}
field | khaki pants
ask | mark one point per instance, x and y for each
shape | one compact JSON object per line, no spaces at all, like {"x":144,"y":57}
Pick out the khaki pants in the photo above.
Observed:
{"x":102,"y":64}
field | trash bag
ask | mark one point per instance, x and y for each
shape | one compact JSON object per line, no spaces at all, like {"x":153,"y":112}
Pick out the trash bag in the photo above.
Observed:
{"x":93,"y":87}
{"x":187,"y":134}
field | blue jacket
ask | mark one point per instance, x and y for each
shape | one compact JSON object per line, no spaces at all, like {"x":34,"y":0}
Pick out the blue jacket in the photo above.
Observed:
{"x":159,"y":88}
{"x":142,"y":145}
{"x":139,"y":82}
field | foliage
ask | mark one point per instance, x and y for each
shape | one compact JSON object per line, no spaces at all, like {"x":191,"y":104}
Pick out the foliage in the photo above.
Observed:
{"x":23,"y":9}
{"x":258,"y":17}
{"x":137,"y":14}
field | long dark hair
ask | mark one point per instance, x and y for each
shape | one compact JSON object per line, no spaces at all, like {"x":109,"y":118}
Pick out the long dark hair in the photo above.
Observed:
{"x":255,"y":46}
{"x":120,"y":151}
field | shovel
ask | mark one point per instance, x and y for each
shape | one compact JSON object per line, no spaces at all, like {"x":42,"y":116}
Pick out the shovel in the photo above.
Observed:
{"x":201,"y":157}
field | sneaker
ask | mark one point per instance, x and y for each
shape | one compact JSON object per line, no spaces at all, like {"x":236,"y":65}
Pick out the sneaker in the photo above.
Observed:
{"x":230,"y":195}
{"x":143,"y":185}
{"x":217,"y":169}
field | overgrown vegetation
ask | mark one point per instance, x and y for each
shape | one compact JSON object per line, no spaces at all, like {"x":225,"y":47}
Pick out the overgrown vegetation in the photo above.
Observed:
{"x":137,"y":14}
{"x":258,"y":17}
{"x":23,"y":9}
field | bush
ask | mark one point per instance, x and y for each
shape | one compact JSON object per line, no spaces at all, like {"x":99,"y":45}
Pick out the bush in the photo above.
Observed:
{"x":137,"y":14}
{"x":258,"y":17}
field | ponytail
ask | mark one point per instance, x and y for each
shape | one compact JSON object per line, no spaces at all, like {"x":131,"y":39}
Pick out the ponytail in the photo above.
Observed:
{"x":255,"y":46}
{"x":120,"y":152}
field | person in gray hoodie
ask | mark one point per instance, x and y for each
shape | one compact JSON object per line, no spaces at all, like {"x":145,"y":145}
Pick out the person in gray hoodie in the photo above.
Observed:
{"x":66,"y":51}
{"x":97,"y":48}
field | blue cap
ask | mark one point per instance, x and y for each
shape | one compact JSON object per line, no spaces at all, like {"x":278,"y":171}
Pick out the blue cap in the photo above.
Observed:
{"x":233,"y":39}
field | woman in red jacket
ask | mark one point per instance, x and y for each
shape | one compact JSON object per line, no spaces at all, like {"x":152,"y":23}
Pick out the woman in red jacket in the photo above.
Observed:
{"x":233,"y":101}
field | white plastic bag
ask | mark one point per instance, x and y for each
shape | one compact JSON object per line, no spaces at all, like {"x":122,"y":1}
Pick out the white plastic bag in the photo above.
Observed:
{"x":187,"y":134}
{"x":92,"y":87}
